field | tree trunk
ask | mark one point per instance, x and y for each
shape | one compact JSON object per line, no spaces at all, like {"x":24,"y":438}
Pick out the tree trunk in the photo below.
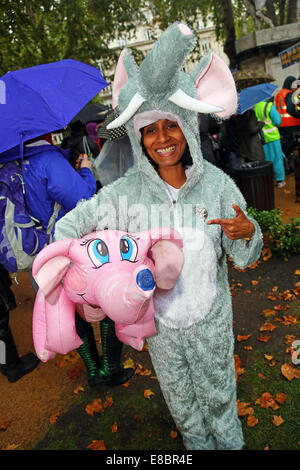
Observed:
{"x":281,"y":11}
{"x":271,"y":11}
{"x":292,"y":12}
{"x":228,"y":21}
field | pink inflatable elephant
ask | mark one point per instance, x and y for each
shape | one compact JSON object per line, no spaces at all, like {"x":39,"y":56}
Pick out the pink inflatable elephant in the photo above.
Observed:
{"x":112,"y":273}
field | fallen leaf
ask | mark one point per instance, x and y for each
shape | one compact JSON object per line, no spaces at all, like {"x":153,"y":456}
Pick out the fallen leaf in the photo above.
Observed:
{"x":271,"y":296}
{"x":247,"y":291}
{"x":267,"y":327}
{"x":261,"y":376}
{"x":269,"y":358}
{"x":12,"y":446}
{"x":129,"y":364}
{"x":289,"y":372}
{"x":243,"y":338}
{"x":108,"y":402}
{"x":289,"y":320}
{"x":289,"y":339}
{"x":277,"y":420}
{"x":94,"y":407}
{"x":97,"y":445}
{"x":126,"y":384}
{"x":264,"y":338}
{"x":281,"y":308}
{"x":251,"y":421}
{"x":297,"y":272}
{"x":244,"y":409}
{"x":281,"y":398}
{"x":148,"y":393}
{"x":267,"y":312}
{"x":255,"y":264}
{"x":114,"y":427}
{"x":267,"y":401}
{"x":78,"y":389}
{"x":267,"y":447}
{"x":173,"y":434}
{"x":248,"y":348}
{"x":254,"y":283}
{"x":141,"y":370}
{"x":287,"y":295}
{"x":266,"y":253}
{"x":4,"y":425}
{"x":54,"y":417}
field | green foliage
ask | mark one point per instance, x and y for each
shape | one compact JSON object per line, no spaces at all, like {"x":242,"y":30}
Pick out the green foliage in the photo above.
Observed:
{"x":282,"y":238}
{"x":49,"y":30}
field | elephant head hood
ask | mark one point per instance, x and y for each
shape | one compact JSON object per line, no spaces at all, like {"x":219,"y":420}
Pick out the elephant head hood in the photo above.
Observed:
{"x":160,"y":89}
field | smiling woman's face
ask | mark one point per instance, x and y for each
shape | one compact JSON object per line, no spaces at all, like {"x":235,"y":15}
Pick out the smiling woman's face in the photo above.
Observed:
{"x":164,"y":142}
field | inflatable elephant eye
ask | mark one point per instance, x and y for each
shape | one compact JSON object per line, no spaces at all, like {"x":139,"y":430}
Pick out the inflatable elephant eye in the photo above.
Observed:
{"x":98,"y":252}
{"x":128,"y":249}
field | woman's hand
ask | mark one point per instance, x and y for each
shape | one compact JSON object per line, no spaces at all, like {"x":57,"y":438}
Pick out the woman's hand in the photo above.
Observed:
{"x":237,"y":227}
{"x":85,"y":162}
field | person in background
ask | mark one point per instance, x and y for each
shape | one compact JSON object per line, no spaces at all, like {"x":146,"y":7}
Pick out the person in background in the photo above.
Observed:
{"x":289,"y":113}
{"x":266,"y":111}
{"x":250,"y":144}
{"x":53,"y":188}
{"x":207,"y":127}
{"x":11,"y":365}
{"x":79,"y":142}
{"x":92,"y":128}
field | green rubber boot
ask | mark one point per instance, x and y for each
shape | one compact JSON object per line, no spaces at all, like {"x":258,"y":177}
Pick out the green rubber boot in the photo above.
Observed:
{"x":107,"y":369}
{"x":112,"y":371}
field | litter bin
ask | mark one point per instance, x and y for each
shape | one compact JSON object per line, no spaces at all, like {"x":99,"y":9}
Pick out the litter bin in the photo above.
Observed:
{"x":256,"y":182}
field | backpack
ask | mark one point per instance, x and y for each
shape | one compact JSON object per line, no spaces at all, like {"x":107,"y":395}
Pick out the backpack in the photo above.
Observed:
{"x":21,"y":235}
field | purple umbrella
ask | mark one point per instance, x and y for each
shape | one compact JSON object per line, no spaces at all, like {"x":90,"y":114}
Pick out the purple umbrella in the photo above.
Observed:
{"x":44,"y":98}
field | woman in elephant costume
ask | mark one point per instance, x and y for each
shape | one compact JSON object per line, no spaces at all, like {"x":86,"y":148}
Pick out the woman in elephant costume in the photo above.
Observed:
{"x":170,"y":184}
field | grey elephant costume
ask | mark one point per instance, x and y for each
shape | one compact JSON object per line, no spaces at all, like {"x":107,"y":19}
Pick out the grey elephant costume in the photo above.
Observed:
{"x":192,"y":352}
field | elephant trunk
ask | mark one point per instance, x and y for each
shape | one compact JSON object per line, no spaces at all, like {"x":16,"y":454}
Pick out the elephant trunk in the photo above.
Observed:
{"x":132,"y":290}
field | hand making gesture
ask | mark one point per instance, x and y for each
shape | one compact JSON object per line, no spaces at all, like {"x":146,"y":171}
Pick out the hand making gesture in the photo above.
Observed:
{"x":237,"y":227}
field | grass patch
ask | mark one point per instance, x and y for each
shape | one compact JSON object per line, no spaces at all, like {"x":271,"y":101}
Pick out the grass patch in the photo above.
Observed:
{"x":251,"y":387}
{"x":141,"y":424}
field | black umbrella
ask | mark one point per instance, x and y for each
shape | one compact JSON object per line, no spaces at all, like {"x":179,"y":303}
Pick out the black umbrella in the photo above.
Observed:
{"x":91,"y":113}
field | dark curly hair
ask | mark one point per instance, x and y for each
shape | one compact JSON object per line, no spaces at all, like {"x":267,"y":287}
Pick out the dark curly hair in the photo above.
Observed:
{"x":186,"y":158}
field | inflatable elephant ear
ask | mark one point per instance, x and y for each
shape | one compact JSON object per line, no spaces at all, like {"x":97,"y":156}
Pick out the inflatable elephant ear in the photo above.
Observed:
{"x":210,"y":88}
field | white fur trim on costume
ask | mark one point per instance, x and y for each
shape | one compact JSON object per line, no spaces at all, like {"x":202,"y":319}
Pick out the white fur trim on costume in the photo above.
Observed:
{"x":141,"y":120}
{"x":187,"y":102}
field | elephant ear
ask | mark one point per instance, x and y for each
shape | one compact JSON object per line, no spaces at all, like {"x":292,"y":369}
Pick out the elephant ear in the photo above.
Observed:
{"x":50,"y":275}
{"x":126,"y":68}
{"x":167,"y":255}
{"x":215,"y":84}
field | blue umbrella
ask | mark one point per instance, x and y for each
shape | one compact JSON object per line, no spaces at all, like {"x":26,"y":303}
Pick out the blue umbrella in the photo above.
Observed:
{"x":44,"y":98}
{"x":254,"y":94}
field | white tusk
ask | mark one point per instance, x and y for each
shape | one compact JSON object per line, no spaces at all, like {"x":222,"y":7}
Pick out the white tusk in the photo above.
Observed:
{"x":136,"y":101}
{"x":185,"y":101}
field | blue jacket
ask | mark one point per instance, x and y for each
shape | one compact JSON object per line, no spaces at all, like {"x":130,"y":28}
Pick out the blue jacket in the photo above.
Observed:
{"x":49,"y":178}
